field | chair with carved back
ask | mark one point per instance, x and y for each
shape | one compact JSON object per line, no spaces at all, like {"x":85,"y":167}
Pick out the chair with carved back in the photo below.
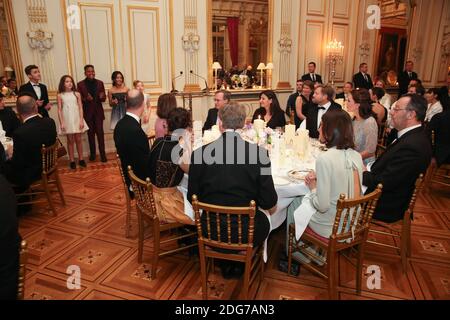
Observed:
{"x":151,"y":139}
{"x":212,"y":238}
{"x":147,"y":212}
{"x":438,"y":175}
{"x":23,"y":257}
{"x":127,"y":198}
{"x":350,"y":231}
{"x":400,"y":229}
{"x":45,"y":184}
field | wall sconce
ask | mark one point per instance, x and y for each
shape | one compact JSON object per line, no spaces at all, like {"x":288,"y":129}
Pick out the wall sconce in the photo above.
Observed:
{"x":261,"y":67}
{"x":216,"y":66}
{"x":335,"y":55}
{"x":269,"y":67}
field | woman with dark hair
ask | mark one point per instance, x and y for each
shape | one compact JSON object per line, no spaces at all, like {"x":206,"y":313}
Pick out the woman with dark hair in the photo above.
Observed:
{"x":376,"y":94}
{"x":166,"y":103}
{"x":364,"y":125}
{"x":303,"y":102}
{"x":167,"y":169}
{"x":270,"y":110}
{"x":434,"y":104}
{"x":117,"y":97}
{"x":338,"y":171}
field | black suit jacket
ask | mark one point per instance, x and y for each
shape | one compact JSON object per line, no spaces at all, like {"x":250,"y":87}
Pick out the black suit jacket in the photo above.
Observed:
{"x":132,"y":147}
{"x":9,"y":120}
{"x":28,"y":87}
{"x":311,"y":118}
{"x":360,"y":82}
{"x":211,"y":120}
{"x":291,"y":103}
{"x":403,"y":82}
{"x":9,"y":242}
{"x":397,"y":170}
{"x":307,"y":76}
{"x":25,"y":167}
{"x":440,"y":123}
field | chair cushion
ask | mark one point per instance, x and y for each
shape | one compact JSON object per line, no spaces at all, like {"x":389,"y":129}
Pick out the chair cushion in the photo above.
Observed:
{"x":310,"y":232}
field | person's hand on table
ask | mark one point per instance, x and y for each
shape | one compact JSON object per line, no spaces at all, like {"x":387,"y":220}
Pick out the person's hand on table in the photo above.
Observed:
{"x":311,"y":180}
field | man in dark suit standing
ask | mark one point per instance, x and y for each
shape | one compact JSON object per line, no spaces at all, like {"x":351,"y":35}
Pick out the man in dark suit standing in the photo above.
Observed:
{"x":8,"y":118}
{"x":221,"y":98}
{"x":408,"y":156}
{"x":9,"y":242}
{"x":362,"y":79}
{"x":311,"y":75}
{"x":25,"y":166}
{"x":37,"y":90}
{"x":405,"y":77}
{"x":323,"y":102}
{"x":131,"y":141}
{"x":232,"y":172}
{"x":93,"y":94}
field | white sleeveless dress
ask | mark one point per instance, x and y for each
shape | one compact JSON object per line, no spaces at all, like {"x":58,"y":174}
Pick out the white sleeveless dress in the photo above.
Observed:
{"x":71,"y":114}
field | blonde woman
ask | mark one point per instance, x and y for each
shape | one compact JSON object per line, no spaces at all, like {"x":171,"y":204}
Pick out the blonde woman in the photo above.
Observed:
{"x":139,"y":85}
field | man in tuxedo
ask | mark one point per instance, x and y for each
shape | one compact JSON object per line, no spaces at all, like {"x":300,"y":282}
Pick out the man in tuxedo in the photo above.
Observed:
{"x":233,"y":172}
{"x":311,"y":75}
{"x":408,"y":156}
{"x":323,"y":102}
{"x":93,"y":94}
{"x":37,"y":90}
{"x":9,"y":242}
{"x":362,"y":79}
{"x":293,"y":98}
{"x":131,"y":141}
{"x":8,"y":118}
{"x":348,"y":87}
{"x":440,"y":125}
{"x":405,"y":77}
{"x":221,"y":98}
{"x":25,"y":166}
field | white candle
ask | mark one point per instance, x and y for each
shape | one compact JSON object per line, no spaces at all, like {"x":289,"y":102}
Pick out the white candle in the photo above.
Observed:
{"x":259,"y":124}
{"x":289,"y":132}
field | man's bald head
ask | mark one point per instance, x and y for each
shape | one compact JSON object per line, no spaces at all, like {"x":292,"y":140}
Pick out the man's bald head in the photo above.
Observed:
{"x":26,"y":106}
{"x":135,"y":99}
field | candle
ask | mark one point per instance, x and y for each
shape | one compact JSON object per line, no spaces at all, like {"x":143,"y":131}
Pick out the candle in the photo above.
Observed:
{"x":259,"y":124}
{"x":289,"y":133}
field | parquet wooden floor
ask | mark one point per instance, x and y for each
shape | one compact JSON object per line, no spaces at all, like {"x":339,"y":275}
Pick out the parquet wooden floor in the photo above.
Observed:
{"x":89,"y":232}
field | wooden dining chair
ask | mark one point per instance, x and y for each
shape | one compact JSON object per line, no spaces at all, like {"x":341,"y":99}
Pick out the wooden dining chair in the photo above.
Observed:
{"x":212,"y":238}
{"x":350,"y":230}
{"x":23,"y":257}
{"x":146,"y":210}
{"x":400,"y":229}
{"x":49,"y":179}
{"x":127,"y":198}
{"x":438,"y":175}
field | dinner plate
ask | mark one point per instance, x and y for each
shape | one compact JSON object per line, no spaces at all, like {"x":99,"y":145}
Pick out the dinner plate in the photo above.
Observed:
{"x":280,"y":181}
{"x":298,"y":174}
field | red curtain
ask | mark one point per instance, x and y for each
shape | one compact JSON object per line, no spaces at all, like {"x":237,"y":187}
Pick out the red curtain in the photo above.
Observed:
{"x":233,"y":35}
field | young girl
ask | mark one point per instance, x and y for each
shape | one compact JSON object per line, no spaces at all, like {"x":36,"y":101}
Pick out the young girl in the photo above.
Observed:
{"x":139,"y":85}
{"x":117,"y":96}
{"x":71,"y":120}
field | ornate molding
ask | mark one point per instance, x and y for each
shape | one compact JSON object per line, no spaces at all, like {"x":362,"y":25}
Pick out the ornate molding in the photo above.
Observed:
{"x":40,"y":40}
{"x":285,"y":44}
{"x":364,"y":50}
{"x":191,"y":42}
{"x":417,"y":53}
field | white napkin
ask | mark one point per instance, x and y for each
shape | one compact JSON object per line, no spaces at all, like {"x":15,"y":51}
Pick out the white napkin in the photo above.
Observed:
{"x":302,"y":215}
{"x":265,"y":242}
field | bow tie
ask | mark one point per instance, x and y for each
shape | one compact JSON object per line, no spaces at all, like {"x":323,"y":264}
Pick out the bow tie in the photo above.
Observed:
{"x":36,"y":85}
{"x":321,"y":108}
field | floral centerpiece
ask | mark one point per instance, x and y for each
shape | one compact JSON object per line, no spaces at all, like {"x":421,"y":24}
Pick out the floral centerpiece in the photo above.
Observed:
{"x":262,"y":137}
{"x":236,"y":79}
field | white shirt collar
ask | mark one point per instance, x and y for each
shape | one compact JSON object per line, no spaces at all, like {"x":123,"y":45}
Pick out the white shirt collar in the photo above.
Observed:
{"x":30,"y":117}
{"x":134,"y":116}
{"x":402,"y":132}
{"x":34,"y":83}
{"x":326,"y":105}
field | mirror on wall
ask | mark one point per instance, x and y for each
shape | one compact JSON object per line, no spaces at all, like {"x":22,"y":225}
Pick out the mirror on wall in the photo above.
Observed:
{"x":240,"y":39}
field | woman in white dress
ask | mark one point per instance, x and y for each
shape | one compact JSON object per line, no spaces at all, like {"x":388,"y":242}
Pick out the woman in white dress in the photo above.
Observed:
{"x":145,"y":119}
{"x":71,"y":120}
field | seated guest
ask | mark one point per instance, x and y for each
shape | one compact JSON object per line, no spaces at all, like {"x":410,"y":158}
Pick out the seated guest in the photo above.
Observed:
{"x":9,"y":242}
{"x":311,"y":75}
{"x":365,"y":126}
{"x":25,"y":166}
{"x":270,"y":110}
{"x":234,"y":181}
{"x":166,"y":103}
{"x":408,"y":156}
{"x":375,"y":95}
{"x":348,"y":87}
{"x":12,"y":86}
{"x":221,"y":98}
{"x":131,"y":141}
{"x":293,"y":98}
{"x":303,"y":103}
{"x":386,"y":100}
{"x":440,"y":125}
{"x":434,"y":103}
{"x":8,"y":118}
{"x":323,"y":102}
{"x":416,"y":88}
{"x":166,"y":173}
{"x":338,"y":171}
